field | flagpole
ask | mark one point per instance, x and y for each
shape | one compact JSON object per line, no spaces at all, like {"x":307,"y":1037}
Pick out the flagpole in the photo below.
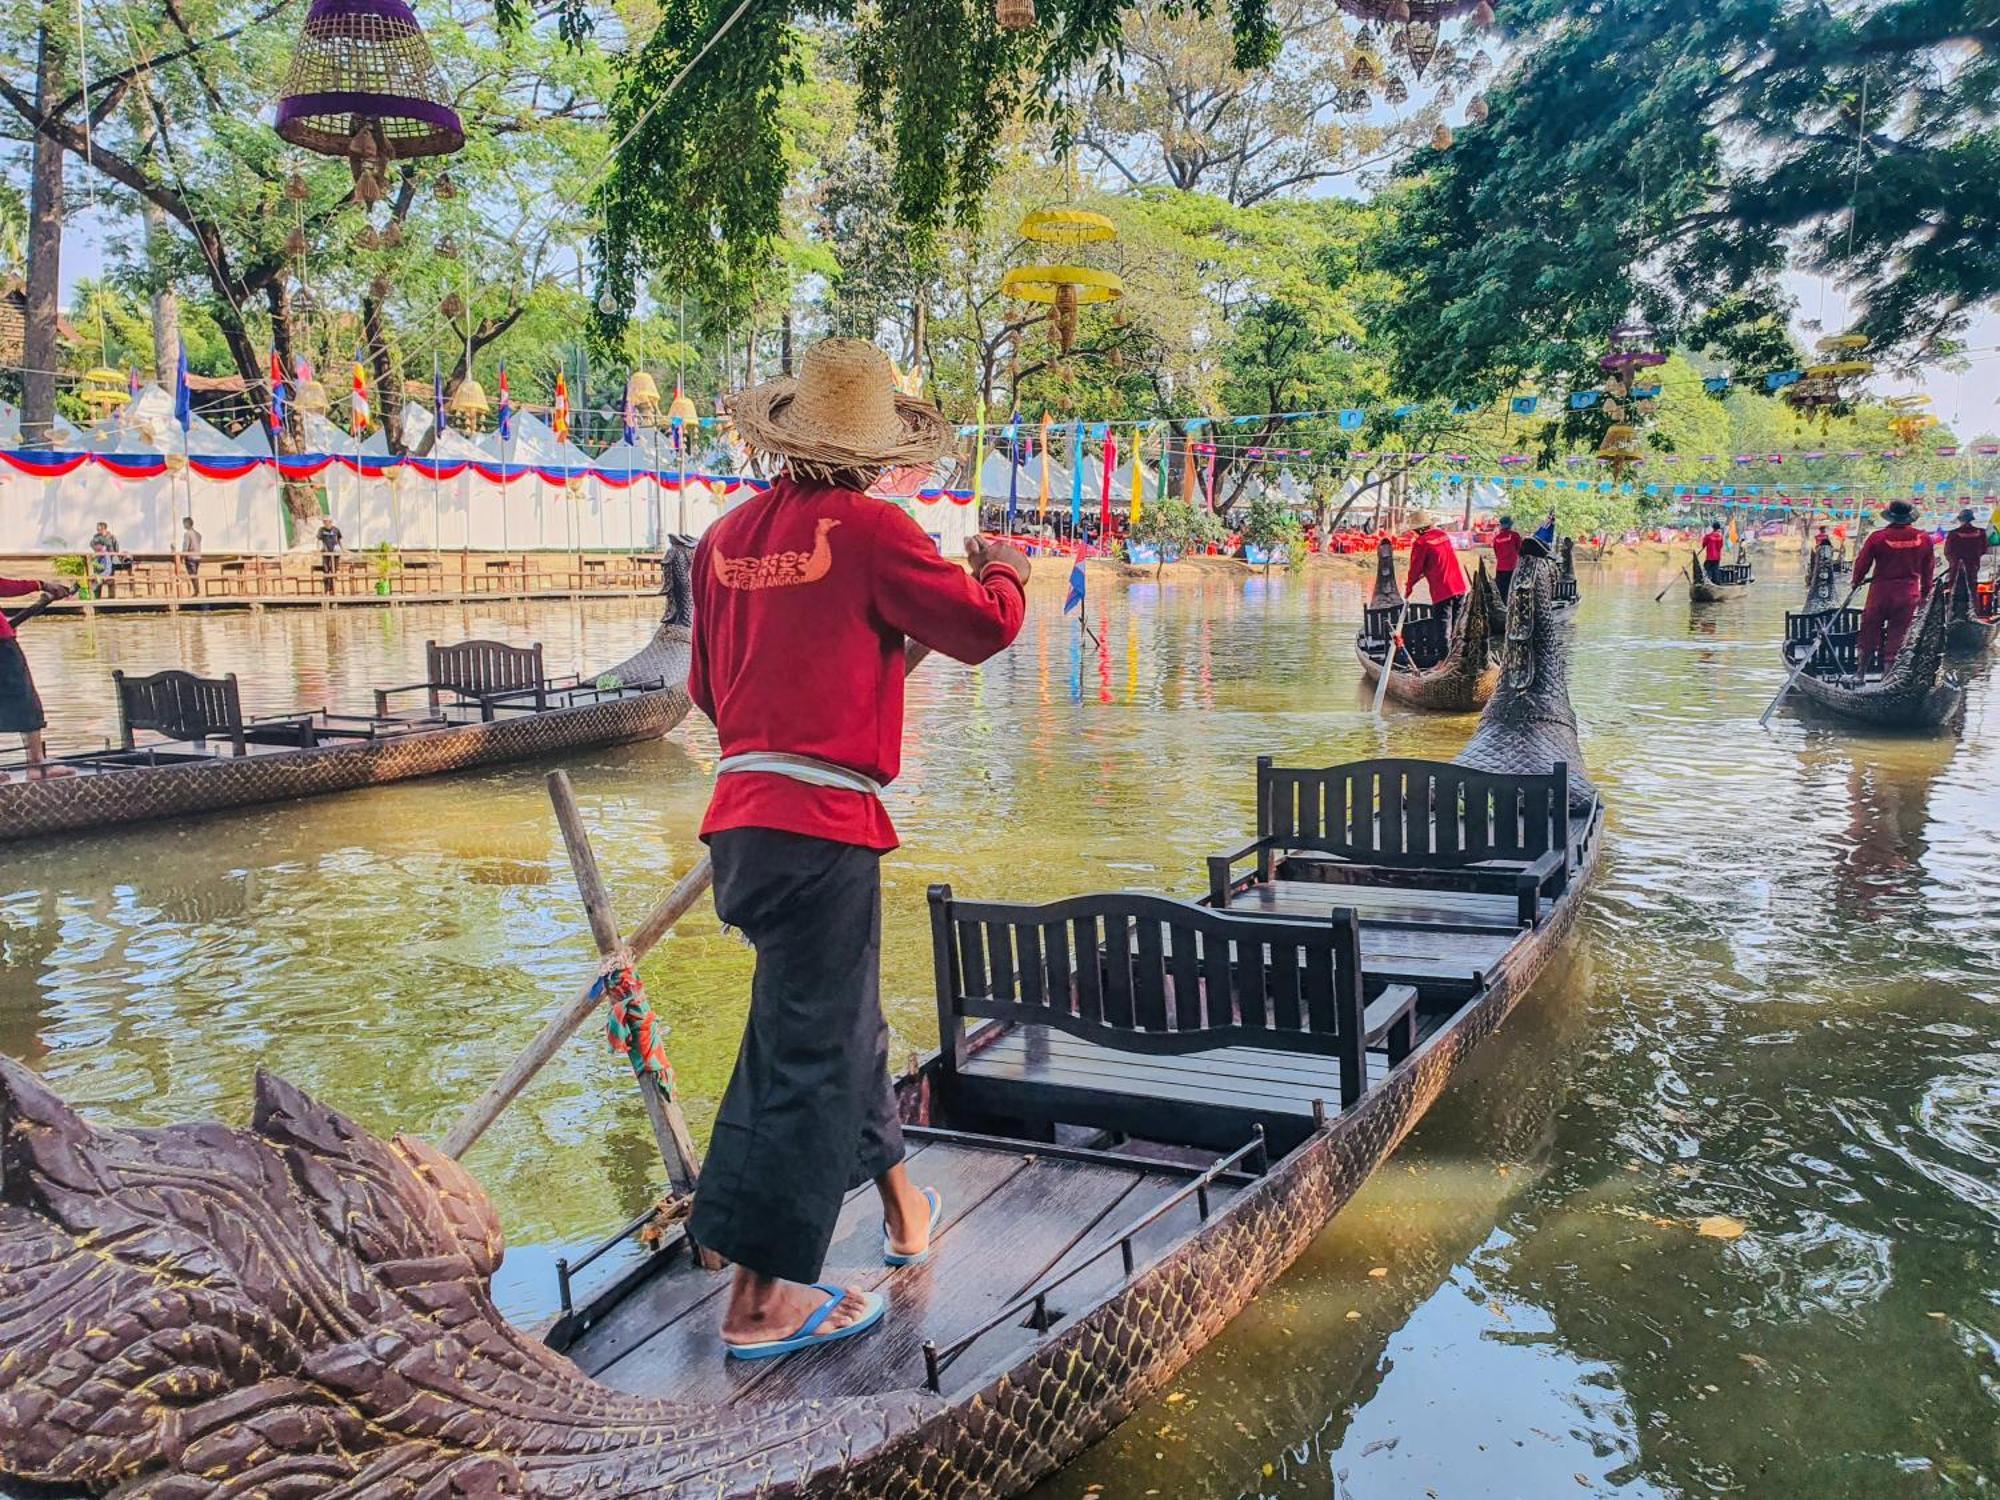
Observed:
{"x":437,"y":479}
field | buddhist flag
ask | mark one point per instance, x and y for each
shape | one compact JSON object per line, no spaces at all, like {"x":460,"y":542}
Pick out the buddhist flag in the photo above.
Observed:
{"x":1138,"y":492}
{"x":1043,"y":512}
{"x":1993,"y":525}
{"x":559,"y":413}
{"x":1734,"y":541}
{"x":1187,"y":471}
{"x":359,"y":400}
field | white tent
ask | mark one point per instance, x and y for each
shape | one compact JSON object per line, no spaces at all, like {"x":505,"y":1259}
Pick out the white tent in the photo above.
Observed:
{"x":67,"y":435}
{"x":997,"y":473}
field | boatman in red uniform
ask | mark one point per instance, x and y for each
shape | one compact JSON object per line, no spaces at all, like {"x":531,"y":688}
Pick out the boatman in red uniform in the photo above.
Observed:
{"x":1712,"y":545}
{"x":1432,"y":561}
{"x":20,"y":705}
{"x":809,"y":599}
{"x":1964,"y":556}
{"x":1896,"y":562}
{"x":1506,"y":555}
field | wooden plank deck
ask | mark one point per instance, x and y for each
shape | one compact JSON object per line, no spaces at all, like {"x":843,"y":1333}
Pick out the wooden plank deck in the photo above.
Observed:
{"x":1011,"y":1217}
{"x":1428,"y":941}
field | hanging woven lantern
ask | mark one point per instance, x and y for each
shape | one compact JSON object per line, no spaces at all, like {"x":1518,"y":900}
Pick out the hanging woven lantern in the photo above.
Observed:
{"x":305,"y":302}
{"x":1420,"y":47}
{"x":296,"y":189}
{"x":103,"y":390}
{"x":447,"y":248}
{"x":1482,"y":15}
{"x":1364,"y":69}
{"x":366,"y":238}
{"x":1621,"y":450}
{"x":1064,"y":288}
{"x":446,"y":189}
{"x":644,"y":396}
{"x":295,"y":244}
{"x":1014,"y":15}
{"x":1476,"y":112}
{"x":1441,"y":138}
{"x":1395,"y":91}
{"x":1907,"y":417}
{"x":467,"y":406}
{"x":310,"y":396}
{"x":392,"y":237}
{"x":452,"y":306}
{"x":683,"y":410}
{"x":379,"y":288}
{"x":363,"y":85}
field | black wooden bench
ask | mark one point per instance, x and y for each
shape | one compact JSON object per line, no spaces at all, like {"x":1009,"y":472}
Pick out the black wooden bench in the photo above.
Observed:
{"x":1839,"y":649}
{"x":484,"y":673}
{"x":1426,"y":641}
{"x":1419,"y":823}
{"x":182,"y":706}
{"x":1157,"y":1018}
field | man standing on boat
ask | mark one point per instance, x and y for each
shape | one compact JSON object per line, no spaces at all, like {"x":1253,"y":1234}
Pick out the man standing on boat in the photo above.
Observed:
{"x":1506,"y":555}
{"x":1897,"y":561}
{"x":810,"y":601}
{"x":1432,"y":560}
{"x":1713,"y":544}
{"x":1964,"y":556}
{"x":20,"y":705}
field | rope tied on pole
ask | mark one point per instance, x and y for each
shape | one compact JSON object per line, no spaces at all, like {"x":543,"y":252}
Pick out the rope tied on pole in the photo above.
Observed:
{"x":631,"y":1029}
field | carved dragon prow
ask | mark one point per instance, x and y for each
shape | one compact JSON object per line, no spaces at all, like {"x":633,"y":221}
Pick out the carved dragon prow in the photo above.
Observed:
{"x":300,"y":1308}
{"x":1387,"y":595}
{"x":1529,"y":726}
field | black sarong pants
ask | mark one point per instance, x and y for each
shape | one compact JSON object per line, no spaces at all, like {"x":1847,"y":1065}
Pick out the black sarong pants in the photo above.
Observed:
{"x":808,"y":1114}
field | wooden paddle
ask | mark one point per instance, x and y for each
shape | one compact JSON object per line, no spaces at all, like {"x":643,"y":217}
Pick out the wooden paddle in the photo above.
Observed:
{"x":1389,"y":657}
{"x":1670,"y":583}
{"x":1806,"y":660}
{"x":18,"y":620}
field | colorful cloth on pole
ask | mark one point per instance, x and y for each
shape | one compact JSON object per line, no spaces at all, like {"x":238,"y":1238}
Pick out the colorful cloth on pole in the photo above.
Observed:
{"x":183,"y":397}
{"x":559,"y":413}
{"x":1043,"y":513}
{"x":630,"y":1026}
{"x":1104,"y":498}
{"x":631,"y":415}
{"x":277,"y":395}
{"x":1074,"y":599}
{"x":506,"y":408}
{"x":1075,"y":477}
{"x":362,"y":415}
{"x":437,"y":404}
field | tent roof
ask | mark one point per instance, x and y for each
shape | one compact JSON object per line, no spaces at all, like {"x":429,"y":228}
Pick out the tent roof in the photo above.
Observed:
{"x":146,"y":424}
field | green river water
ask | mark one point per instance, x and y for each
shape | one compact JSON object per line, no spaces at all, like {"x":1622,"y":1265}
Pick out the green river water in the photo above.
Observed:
{"x":1782,"y":1006}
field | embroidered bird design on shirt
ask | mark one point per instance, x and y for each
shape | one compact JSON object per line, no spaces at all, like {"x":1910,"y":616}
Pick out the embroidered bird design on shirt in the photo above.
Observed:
{"x":777,"y":570}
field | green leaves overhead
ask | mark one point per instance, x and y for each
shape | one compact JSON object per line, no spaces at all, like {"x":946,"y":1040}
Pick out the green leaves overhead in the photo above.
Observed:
{"x":1655,"y":158}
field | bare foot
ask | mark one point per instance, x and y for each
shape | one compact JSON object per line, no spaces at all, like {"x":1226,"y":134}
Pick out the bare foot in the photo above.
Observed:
{"x":907,"y":1213}
{"x":49,"y":773}
{"x":762,"y":1310}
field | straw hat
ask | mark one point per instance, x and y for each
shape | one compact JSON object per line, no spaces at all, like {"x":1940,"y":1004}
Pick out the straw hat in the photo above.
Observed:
{"x":842,"y":411}
{"x":1420,"y":519}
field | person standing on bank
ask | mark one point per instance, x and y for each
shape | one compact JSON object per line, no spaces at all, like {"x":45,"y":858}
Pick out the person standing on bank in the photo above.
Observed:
{"x":1506,"y":555}
{"x":20,"y":705}
{"x":810,"y":602}
{"x":1432,"y":560}
{"x":1964,"y":556}
{"x":329,"y":552}
{"x":104,"y":555}
{"x":1897,"y":562}
{"x":190,"y":551}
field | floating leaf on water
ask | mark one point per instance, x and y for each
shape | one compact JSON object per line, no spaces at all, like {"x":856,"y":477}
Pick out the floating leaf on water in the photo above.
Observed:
{"x":1720,"y":1227}
{"x":1174,"y":1398}
{"x":1379,"y":1272}
{"x":1353,"y":1316}
{"x":1755,"y":1361}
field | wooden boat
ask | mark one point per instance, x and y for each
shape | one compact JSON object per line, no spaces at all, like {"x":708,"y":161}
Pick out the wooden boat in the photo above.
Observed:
{"x":485,"y":703}
{"x":1157,"y":1107}
{"x":1917,"y":692}
{"x":1973,"y":621}
{"x":1824,"y":571}
{"x":1567,"y":593}
{"x":1451,"y":673}
{"x":1730,"y":580}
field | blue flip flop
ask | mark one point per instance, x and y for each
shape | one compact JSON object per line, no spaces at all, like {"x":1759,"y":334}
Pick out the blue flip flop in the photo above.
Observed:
{"x":809,"y":1335}
{"x":893,"y":1257}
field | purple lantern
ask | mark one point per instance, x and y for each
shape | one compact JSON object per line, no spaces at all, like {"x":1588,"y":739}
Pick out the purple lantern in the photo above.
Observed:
{"x":363,"y":85}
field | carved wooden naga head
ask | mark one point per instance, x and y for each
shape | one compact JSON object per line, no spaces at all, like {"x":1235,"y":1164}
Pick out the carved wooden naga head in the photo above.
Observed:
{"x":301,"y":1308}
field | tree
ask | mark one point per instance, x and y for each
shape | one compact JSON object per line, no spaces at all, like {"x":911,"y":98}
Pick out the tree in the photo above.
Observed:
{"x":1186,"y":115}
{"x":1274,"y":526}
{"x":1175,"y":524}
{"x":1664,"y":160}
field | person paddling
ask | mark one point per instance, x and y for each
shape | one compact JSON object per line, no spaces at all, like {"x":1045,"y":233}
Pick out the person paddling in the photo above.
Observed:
{"x":809,"y":600}
{"x":1899,"y":559}
{"x":1432,"y":560}
{"x":20,"y":705}
{"x":1964,"y":556}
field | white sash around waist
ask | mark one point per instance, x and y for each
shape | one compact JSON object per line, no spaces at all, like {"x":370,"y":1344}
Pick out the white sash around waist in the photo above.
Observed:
{"x":800,"y":768}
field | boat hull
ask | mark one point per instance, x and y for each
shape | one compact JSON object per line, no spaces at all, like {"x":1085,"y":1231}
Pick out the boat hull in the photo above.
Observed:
{"x":1967,"y":637}
{"x":1933,"y":708}
{"x":1025,"y":1421}
{"x":30,"y":809}
{"x":1458,"y":686}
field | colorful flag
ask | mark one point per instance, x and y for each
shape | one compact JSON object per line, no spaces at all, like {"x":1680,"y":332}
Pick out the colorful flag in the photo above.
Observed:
{"x":506,"y":407}
{"x":1187,"y":470}
{"x":132,"y":381}
{"x":1047,"y":418}
{"x":559,"y":413}
{"x":362,"y":415}
{"x":277,"y":395}
{"x":631,"y":416}
{"x":1075,"y":478}
{"x":1013,"y":470}
{"x":1074,"y":600}
{"x":437,"y":404}
{"x":978,"y":456}
{"x":183,"y":397}
{"x":1138,"y":494}
{"x":1104,"y":496}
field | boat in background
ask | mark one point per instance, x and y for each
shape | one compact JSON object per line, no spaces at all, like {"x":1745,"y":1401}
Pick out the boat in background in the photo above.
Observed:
{"x":1917,"y":692}
{"x":1729,"y":581}
{"x":1444,"y":664}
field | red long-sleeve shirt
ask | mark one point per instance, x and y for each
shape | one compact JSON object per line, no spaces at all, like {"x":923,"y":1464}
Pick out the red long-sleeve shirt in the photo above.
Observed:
{"x":1965,"y":549}
{"x":803,"y":598}
{"x":13,"y":588}
{"x":1712,"y":545}
{"x":1506,"y":550}
{"x":1432,"y":558}
{"x":1897,"y":554}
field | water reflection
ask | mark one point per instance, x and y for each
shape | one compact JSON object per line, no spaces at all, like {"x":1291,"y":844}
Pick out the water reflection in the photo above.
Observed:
{"x":1783,"y":1006}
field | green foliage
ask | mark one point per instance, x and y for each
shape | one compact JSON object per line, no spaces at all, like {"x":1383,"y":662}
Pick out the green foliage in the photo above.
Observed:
{"x":1659,"y":159}
{"x":1274,"y":525}
{"x":1176,"y":524}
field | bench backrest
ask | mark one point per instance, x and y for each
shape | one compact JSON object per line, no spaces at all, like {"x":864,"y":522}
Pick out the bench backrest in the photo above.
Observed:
{"x":1419,"y":813}
{"x":1142,"y":973}
{"x":1840,"y":650}
{"x":1425,"y":636}
{"x":476,"y":668}
{"x":180,"y":706}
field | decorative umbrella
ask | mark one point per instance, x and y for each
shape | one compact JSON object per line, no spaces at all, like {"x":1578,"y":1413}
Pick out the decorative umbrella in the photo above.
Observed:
{"x":1831,"y":386}
{"x":1064,"y":287}
{"x":363,"y":85}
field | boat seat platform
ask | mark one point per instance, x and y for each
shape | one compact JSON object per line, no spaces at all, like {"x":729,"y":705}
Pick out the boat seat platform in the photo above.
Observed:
{"x":1440,"y":941}
{"x":1016,"y":1217}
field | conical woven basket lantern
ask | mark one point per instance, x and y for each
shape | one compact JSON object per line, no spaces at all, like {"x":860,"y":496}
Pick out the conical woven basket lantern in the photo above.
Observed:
{"x":1064,"y":287}
{"x":363,"y":85}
